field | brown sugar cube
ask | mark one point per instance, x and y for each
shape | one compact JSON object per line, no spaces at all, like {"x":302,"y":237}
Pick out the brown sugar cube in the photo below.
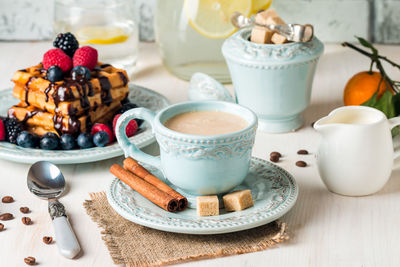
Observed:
{"x":238,"y":200}
{"x":207,"y":205}
{"x":278,"y":39}
{"x":269,"y":17}
{"x":261,"y":35}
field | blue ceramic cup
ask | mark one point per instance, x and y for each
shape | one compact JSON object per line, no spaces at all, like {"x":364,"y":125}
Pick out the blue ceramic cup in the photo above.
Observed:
{"x":196,"y":164}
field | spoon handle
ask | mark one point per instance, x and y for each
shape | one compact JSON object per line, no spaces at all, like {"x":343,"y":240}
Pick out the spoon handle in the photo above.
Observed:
{"x":66,"y":240}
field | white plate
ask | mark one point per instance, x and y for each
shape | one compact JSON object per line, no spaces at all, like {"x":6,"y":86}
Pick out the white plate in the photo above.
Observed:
{"x":273,"y":189}
{"x":139,"y":95}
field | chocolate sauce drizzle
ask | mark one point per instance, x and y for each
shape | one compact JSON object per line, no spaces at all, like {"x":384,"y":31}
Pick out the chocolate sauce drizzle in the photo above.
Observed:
{"x":123,"y":78}
{"x":105,"y":86}
{"x":27,"y":89}
{"x":63,"y":92}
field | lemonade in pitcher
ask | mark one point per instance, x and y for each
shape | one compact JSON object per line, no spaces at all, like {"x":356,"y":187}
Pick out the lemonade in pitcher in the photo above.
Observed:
{"x":190,"y":33}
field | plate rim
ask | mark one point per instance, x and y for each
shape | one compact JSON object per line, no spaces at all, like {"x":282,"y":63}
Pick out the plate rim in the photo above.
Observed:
{"x":289,"y":203}
{"x":14,"y":155}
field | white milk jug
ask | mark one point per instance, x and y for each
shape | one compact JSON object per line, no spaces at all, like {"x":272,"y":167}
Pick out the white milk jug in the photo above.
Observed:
{"x":355,"y":157}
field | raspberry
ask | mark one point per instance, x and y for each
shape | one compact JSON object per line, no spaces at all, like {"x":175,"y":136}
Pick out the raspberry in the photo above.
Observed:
{"x":85,"y":56}
{"x":97,"y":127}
{"x":67,"y":43}
{"x":57,"y":57}
{"x":2,"y":131}
{"x":131,"y":128}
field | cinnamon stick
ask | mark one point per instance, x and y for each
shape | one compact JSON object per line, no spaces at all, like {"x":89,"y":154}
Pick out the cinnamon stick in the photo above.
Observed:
{"x":133,"y":166}
{"x":144,"y":188}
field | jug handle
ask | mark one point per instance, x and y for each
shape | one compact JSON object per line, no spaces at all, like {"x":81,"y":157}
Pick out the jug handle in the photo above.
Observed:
{"x":393,"y":122}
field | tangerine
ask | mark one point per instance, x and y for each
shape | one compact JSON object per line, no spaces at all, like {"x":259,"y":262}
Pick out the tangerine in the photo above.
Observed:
{"x":362,"y":86}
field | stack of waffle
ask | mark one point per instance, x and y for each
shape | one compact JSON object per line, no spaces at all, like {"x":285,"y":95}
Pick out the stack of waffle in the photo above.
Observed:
{"x":67,"y":106}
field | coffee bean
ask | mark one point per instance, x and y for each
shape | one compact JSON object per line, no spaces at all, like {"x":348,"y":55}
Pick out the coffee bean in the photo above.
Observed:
{"x":301,"y":163}
{"x":312,"y":124}
{"x":7,"y":199}
{"x":30,"y":260}
{"x":1,"y":227}
{"x":26,"y":220}
{"x":24,"y":209}
{"x":274,"y":158}
{"x":47,"y":240}
{"x":275,"y":154}
{"x":6,"y":217}
{"x":302,"y":152}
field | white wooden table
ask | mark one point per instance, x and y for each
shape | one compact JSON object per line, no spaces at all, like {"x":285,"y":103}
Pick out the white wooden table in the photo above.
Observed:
{"x":326,"y":229}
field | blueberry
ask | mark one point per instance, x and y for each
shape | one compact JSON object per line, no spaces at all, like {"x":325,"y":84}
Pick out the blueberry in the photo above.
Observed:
{"x":49,"y":141}
{"x":26,"y":139}
{"x":67,"y":142}
{"x":55,"y":74}
{"x":85,"y":140}
{"x":80,"y":73}
{"x":101,"y":138}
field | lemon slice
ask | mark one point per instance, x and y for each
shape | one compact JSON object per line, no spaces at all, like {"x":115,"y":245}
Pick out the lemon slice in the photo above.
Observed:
{"x":101,"y":35}
{"x":211,"y":18}
{"x":260,"y":5}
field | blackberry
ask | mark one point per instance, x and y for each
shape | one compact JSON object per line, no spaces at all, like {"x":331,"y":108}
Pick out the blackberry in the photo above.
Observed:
{"x":66,"y":42}
{"x":127,"y":105}
{"x":13,"y":129}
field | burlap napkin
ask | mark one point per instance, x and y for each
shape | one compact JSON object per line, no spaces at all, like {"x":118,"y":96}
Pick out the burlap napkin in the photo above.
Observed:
{"x":136,"y":245}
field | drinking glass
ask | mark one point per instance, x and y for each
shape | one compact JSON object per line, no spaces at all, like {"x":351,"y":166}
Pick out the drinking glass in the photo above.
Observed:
{"x":107,"y":25}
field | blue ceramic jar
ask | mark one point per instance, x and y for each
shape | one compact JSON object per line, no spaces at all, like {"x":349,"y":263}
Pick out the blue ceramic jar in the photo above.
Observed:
{"x":274,"y":81}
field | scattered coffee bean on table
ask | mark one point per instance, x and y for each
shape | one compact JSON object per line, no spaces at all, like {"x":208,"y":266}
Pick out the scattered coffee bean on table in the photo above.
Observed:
{"x":30,"y":260}
{"x":274,"y":153}
{"x":1,"y":227}
{"x":302,"y":152}
{"x":274,"y":158}
{"x":24,"y":209}
{"x":47,"y":240}
{"x":301,"y":163}
{"x":26,"y":220}
{"x":6,"y":217}
{"x":7,"y":199}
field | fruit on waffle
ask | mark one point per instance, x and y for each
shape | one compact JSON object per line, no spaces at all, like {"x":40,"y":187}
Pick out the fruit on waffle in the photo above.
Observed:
{"x":63,"y":96}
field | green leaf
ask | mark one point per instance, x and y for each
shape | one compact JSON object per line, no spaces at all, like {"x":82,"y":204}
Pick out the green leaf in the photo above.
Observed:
{"x":384,"y":104}
{"x":396,"y":104}
{"x":367,"y":44}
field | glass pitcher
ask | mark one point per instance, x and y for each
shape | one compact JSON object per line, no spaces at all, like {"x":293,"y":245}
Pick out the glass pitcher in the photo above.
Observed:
{"x":107,"y":25}
{"x":190,"y":33}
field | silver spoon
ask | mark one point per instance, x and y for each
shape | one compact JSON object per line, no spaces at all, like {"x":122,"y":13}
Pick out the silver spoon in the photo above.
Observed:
{"x":46,"y":181}
{"x":292,"y":32}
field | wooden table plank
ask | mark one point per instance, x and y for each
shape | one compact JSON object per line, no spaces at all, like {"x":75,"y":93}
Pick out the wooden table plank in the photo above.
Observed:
{"x":326,"y":229}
